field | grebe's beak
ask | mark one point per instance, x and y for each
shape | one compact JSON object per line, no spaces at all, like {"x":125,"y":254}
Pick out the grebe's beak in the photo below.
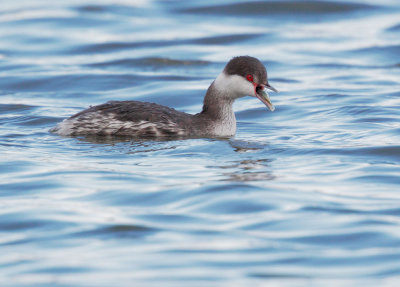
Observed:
{"x":263,"y":96}
{"x":268,"y":86}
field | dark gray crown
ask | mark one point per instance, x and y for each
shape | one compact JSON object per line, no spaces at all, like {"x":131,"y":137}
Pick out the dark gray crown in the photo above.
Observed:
{"x":246,"y":65}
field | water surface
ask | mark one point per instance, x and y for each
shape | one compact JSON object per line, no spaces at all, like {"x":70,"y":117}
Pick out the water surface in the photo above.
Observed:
{"x":305,"y":196}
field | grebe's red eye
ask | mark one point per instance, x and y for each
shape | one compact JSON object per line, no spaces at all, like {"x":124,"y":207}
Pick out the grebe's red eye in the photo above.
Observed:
{"x":249,"y":78}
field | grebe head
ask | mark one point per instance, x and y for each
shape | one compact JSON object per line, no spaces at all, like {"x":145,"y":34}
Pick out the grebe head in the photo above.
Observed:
{"x":245,"y":76}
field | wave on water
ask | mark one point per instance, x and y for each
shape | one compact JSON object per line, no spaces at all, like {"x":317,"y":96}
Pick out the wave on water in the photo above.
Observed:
{"x":305,"y":195}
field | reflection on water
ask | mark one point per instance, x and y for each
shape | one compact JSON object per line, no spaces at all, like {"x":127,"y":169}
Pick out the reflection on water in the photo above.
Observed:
{"x":246,"y":146}
{"x":249,"y":170}
{"x":306,"y":195}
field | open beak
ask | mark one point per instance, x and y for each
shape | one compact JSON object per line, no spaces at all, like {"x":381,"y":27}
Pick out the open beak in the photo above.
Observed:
{"x":262,"y":95}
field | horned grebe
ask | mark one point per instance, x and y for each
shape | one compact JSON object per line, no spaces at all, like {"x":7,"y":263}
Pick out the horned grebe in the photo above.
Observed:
{"x":242,"y":76}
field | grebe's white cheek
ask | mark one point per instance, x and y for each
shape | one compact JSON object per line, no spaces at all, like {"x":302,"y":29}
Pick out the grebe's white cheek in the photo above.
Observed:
{"x":238,"y":86}
{"x":245,"y":88}
{"x":234,"y":85}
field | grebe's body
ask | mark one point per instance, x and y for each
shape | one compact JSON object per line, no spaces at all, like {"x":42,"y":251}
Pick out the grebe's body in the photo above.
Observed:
{"x":242,"y":76}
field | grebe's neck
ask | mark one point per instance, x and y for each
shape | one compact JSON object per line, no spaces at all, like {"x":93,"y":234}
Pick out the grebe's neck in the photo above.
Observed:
{"x":218,"y":109}
{"x":219,"y":99}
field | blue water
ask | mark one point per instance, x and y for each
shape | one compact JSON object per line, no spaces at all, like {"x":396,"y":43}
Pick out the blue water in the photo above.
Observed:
{"x":308,"y":195}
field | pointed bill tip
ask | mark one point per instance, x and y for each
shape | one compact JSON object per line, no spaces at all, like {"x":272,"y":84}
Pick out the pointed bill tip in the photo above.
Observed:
{"x":263,"y":96}
{"x":268,"y":86}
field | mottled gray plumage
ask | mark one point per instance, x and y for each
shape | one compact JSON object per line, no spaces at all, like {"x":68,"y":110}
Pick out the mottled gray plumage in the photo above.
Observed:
{"x":168,"y":119}
{"x":142,"y":119}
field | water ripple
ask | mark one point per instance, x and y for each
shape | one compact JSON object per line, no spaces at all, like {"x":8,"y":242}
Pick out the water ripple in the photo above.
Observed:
{"x":305,"y":195}
{"x":277,"y":8}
